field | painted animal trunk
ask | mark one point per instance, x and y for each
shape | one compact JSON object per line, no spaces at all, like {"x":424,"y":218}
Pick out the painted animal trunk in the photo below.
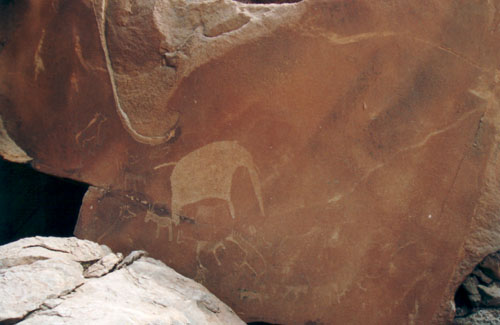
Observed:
{"x":208,"y":172}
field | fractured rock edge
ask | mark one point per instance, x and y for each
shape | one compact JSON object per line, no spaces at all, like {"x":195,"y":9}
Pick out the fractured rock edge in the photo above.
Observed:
{"x":97,"y":286}
{"x":9,"y":150}
{"x":485,"y":239}
{"x":210,"y":36}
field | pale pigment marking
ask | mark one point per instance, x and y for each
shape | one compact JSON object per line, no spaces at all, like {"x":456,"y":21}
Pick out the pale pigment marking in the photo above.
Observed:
{"x":335,"y":291}
{"x":96,"y":121}
{"x":161,"y":222}
{"x":296,"y":291}
{"x":360,"y":286}
{"x":381,"y":165}
{"x":401,"y":248}
{"x":232,"y":239}
{"x":287,"y":265}
{"x":202,"y":271}
{"x":74,"y":82}
{"x":128,"y":214}
{"x":203,"y":49}
{"x":250,"y":295}
{"x":79,"y":54}
{"x":262,"y":21}
{"x":208,"y":172}
{"x":413,"y":317}
{"x":409,"y":148}
{"x":411,"y":286}
{"x":178,"y":239}
{"x":235,"y":239}
{"x":485,"y":95}
{"x":92,"y":121}
{"x":351,"y":39}
{"x":459,"y":168}
{"x":38,"y":62}
{"x":335,"y":198}
{"x":453,"y":53}
{"x":214,"y":251}
{"x":344,"y":40}
{"x":230,"y":24}
{"x":123,"y":116}
{"x":333,"y":241}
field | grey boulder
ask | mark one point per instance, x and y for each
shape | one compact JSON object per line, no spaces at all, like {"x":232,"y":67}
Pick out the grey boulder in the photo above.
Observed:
{"x":72,"y":281}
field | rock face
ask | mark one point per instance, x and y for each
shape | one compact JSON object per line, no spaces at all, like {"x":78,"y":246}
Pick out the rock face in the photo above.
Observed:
{"x":319,"y":162}
{"x":478,"y":298}
{"x":46,"y":280}
{"x":482,"y":317}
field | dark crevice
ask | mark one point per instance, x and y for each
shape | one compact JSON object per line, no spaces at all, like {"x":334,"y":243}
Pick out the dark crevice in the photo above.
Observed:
{"x":462,"y":300}
{"x":478,"y":297}
{"x":8,"y":21}
{"x":36,"y":204}
{"x":48,"y":248}
{"x":10,"y":321}
{"x":87,"y":264}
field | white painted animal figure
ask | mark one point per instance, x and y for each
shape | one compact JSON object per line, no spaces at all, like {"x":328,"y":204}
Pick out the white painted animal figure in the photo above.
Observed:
{"x":208,"y":172}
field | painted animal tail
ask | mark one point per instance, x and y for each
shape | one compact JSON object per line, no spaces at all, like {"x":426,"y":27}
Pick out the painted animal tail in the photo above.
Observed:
{"x":165,"y":165}
{"x":254,"y":177}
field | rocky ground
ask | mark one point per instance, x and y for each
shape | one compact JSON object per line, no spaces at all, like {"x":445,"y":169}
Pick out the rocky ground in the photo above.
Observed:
{"x":48,"y":280}
{"x":478,"y":298}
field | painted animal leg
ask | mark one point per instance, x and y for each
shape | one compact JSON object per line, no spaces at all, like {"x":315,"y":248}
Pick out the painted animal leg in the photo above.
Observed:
{"x":231,"y":208}
{"x":176,"y":210}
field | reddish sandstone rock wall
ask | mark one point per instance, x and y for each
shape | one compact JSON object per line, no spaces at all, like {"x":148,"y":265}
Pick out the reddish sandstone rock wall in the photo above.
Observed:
{"x":320,"y":162}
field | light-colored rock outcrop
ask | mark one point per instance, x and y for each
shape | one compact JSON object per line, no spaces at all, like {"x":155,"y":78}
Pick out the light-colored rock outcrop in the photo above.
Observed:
{"x":72,"y":281}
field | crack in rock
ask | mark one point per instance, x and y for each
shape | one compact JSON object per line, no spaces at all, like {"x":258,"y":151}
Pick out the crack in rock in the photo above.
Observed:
{"x":131,"y":258}
{"x":48,"y":248}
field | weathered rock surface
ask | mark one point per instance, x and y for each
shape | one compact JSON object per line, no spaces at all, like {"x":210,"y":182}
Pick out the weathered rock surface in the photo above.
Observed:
{"x":47,"y":280}
{"x":491,"y":266}
{"x":477,"y":300}
{"x":490,"y":295}
{"x":323,"y":161}
{"x":482,"y":317}
{"x":471,"y":286}
{"x":481,"y":276}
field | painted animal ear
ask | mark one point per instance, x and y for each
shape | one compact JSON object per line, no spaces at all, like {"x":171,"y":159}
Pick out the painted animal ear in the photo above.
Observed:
{"x":197,"y":183}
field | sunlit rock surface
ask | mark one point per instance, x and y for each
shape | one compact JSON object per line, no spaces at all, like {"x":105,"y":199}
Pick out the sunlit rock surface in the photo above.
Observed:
{"x":48,"y":280}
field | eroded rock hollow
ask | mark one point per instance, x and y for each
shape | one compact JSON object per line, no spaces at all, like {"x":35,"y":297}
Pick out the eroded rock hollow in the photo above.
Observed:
{"x":311,"y":162}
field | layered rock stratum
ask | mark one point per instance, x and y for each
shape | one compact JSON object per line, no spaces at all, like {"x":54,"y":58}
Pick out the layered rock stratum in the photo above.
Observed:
{"x":310,"y":162}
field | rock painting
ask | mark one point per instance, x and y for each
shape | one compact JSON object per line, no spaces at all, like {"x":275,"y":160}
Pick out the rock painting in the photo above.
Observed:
{"x":208,"y":172}
{"x":161,"y":222}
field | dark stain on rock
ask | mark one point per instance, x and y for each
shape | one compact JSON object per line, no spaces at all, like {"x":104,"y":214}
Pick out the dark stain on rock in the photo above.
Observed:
{"x":161,"y":210}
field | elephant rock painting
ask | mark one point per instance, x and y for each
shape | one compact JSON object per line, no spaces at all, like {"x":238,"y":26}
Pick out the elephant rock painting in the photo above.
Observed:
{"x":208,"y":172}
